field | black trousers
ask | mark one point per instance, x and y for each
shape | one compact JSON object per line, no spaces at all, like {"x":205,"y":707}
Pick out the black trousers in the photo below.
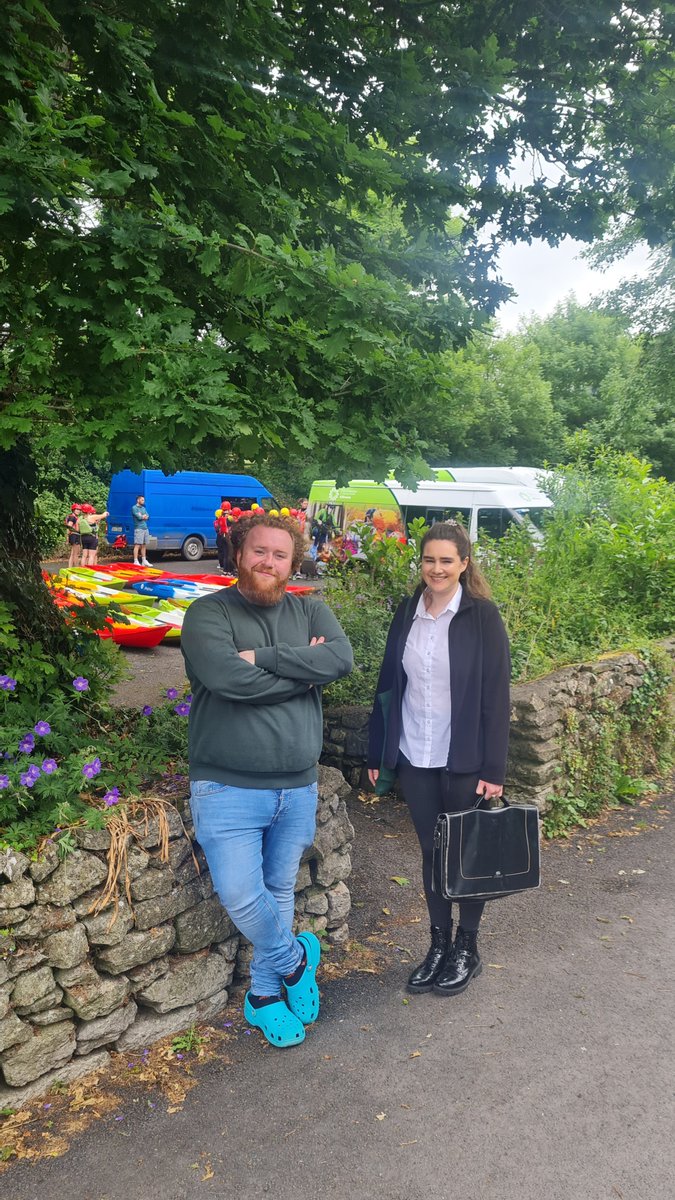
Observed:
{"x":224,"y":546}
{"x":429,"y":791}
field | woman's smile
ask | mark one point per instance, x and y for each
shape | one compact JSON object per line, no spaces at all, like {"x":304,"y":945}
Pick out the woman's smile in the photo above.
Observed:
{"x":442,"y":567}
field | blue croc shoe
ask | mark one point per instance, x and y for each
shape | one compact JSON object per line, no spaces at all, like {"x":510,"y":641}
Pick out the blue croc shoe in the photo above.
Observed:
{"x":303,"y":996}
{"x":278,"y":1024}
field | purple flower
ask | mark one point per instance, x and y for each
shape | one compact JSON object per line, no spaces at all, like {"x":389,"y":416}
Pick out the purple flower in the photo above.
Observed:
{"x":183,"y":710}
{"x":26,"y":780}
{"x":43,"y":728}
{"x":112,"y":797}
{"x":179,"y":1056}
{"x":4,"y":781}
{"x":146,"y":710}
{"x":171,"y":693}
{"x":27,"y":744}
{"x":90,"y":770}
{"x":7,"y":683}
{"x":33,"y":771}
{"x":81,"y":684}
{"x":49,"y":766}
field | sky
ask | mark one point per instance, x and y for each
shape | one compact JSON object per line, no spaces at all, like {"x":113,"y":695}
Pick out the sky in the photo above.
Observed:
{"x":543,"y":276}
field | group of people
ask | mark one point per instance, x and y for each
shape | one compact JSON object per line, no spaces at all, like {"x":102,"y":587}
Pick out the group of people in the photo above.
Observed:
{"x":82,"y":529}
{"x":257,"y":658}
{"x":228,"y":515}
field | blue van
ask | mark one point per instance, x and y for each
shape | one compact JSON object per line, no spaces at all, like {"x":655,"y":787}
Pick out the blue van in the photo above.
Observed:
{"x":181,"y":507}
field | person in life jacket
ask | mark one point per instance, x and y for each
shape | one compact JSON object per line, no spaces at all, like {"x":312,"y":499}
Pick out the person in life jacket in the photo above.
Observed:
{"x":74,"y":539}
{"x":87,"y":527}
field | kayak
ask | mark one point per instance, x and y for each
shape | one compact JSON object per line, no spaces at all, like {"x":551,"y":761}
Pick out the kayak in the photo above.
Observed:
{"x":137,"y":635}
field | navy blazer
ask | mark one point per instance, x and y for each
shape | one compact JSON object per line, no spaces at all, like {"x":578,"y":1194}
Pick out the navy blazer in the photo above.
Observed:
{"x":480,"y":671}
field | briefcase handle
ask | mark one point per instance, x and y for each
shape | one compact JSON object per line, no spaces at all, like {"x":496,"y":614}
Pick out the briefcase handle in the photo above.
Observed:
{"x":504,"y":803}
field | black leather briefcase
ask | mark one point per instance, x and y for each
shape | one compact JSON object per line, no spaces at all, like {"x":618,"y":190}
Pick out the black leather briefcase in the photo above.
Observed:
{"x":485,"y":853}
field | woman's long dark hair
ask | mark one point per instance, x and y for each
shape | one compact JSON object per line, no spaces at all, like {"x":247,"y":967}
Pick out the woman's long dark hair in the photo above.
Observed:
{"x":472,"y":577}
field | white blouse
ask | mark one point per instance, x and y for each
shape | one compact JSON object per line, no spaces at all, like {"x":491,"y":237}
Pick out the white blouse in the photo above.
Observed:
{"x":426,"y":712}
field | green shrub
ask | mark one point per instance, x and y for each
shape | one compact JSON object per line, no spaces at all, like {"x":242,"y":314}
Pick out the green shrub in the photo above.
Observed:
{"x":364,"y":596}
{"x":605,"y":754}
{"x":604,"y":576}
{"x":66,"y":755}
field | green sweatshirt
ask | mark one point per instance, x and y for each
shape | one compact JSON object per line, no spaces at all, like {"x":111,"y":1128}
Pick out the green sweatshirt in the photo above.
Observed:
{"x":259,"y":726}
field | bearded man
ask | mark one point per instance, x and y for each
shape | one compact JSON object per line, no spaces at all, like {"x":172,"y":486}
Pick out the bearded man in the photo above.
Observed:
{"x":257,"y":658}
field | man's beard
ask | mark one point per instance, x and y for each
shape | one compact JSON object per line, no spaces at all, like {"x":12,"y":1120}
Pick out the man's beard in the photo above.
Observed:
{"x":267,"y":590}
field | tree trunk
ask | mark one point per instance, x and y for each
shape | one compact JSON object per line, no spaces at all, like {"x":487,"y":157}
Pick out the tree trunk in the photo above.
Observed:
{"x":33,"y":613}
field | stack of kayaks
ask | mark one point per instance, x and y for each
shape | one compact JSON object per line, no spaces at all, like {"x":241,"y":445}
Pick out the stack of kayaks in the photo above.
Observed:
{"x":152,"y":601}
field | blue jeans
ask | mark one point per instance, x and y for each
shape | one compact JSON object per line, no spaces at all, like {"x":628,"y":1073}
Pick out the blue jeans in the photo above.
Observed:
{"x":253,"y":839}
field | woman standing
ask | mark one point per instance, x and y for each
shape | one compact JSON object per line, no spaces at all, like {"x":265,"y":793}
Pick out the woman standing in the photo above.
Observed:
{"x":87,"y":527}
{"x":74,"y":539}
{"x":441,"y":720}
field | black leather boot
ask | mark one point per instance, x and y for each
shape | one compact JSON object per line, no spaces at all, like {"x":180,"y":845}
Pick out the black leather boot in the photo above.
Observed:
{"x":462,"y":964}
{"x":423,"y":977}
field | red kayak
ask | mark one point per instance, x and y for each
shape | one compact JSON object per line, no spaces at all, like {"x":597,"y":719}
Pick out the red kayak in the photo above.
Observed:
{"x":145,"y":636}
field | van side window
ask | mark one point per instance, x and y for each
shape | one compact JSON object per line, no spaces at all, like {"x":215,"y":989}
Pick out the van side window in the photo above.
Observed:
{"x":243,"y":502}
{"x":493,"y":521}
{"x":432,"y":515}
{"x":457,"y":514}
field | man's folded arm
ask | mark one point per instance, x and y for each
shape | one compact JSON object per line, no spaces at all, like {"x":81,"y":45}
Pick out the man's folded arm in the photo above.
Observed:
{"x":213,"y":658}
{"x":318,"y":664}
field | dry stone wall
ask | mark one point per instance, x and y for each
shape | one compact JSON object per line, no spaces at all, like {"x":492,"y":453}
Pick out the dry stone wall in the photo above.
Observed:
{"x":538,"y":712}
{"x":75,"y":984}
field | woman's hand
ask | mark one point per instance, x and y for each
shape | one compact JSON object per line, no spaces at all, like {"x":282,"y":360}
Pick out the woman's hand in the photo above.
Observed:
{"x":373,"y":775}
{"x":489,"y":790}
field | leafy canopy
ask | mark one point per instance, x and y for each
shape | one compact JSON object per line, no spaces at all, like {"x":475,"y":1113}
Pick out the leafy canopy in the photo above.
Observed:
{"x":258,"y":222}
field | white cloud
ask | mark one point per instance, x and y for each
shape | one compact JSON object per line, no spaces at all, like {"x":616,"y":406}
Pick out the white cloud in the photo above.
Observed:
{"x":542,"y":276}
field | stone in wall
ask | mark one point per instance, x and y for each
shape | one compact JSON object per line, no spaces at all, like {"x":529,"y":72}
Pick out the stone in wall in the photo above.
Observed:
{"x":68,"y":947}
{"x":46,"y":1049}
{"x":198,"y":927}
{"x":138,"y":947}
{"x":45,"y":919}
{"x":103,"y":1031}
{"x":150,"y":1026}
{"x":13,"y":1031}
{"x":109,"y":928}
{"x":17,"y":893}
{"x":79,"y":872}
{"x":32,"y":986}
{"x":45,"y":865}
{"x":152,"y":882}
{"x":13,"y":864}
{"x":92,"y":995}
{"x":188,"y":979}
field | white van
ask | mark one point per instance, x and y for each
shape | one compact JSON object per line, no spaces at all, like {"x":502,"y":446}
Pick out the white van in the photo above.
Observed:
{"x":390,"y":507}
{"x":527,"y":476}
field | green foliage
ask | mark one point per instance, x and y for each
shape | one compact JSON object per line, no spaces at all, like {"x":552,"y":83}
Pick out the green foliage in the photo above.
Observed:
{"x":365,"y":615}
{"x":189,"y":1042}
{"x":232,"y":223}
{"x":84,"y":758}
{"x":605,"y":753}
{"x":603,"y":577}
{"x":364,"y":595}
{"x":605,"y":574}
{"x":60,"y":483}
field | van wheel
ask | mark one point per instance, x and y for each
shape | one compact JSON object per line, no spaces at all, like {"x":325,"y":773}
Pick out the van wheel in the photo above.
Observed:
{"x":192,"y":548}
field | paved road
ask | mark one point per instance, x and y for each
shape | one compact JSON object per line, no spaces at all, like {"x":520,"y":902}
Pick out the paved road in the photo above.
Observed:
{"x":551,"y":1077}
